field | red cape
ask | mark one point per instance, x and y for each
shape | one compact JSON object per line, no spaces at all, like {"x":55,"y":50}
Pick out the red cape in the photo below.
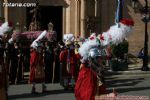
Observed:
{"x":73,"y":61}
{"x":35,"y":60}
{"x":86,"y":85}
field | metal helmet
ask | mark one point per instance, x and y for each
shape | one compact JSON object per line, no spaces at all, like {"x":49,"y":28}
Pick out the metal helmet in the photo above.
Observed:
{"x":94,"y":52}
{"x":94,"y":63}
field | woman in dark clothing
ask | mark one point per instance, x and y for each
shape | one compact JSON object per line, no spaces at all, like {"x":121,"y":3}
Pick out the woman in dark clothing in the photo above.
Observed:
{"x":14,"y":63}
{"x":58,"y":48}
{"x":48,"y":61}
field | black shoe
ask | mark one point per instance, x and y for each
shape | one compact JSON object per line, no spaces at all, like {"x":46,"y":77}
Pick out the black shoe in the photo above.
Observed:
{"x":66,"y":88}
{"x":12,"y":83}
{"x":33,"y":90}
{"x":44,"y":89}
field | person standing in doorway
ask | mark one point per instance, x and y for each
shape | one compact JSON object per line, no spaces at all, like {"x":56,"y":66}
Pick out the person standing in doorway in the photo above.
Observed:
{"x":48,"y":62}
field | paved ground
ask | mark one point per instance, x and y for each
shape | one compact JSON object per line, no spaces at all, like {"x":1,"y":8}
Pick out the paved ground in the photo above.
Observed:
{"x":125,"y":85}
{"x":133,"y":82}
{"x":55,"y":92}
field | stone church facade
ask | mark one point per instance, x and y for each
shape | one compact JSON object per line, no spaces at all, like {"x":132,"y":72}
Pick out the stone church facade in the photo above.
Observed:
{"x":80,"y":17}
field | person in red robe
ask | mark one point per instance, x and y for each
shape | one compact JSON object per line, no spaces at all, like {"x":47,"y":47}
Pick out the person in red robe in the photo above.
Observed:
{"x":37,"y":69}
{"x":37,"y":73}
{"x":87,"y":87}
{"x":68,"y":61}
{"x":3,"y":73}
{"x":89,"y":83}
{"x":33,"y":62}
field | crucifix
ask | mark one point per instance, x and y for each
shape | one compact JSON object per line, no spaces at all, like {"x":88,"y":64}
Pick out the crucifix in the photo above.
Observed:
{"x":35,"y":24}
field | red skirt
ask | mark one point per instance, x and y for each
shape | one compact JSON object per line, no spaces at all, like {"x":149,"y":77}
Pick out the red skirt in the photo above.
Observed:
{"x":37,"y":74}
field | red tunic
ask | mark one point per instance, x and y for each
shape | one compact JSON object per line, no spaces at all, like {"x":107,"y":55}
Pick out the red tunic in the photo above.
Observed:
{"x":86,"y":85}
{"x":73,"y":59}
{"x":35,"y":59}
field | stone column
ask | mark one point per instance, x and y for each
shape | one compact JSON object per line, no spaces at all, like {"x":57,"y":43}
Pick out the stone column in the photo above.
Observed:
{"x":1,"y":5}
{"x":83,"y":18}
{"x":96,"y":7}
{"x":77,"y":17}
{"x":68,"y":17}
{"x":64,"y":20}
{"x":6,"y":11}
{"x":98,"y":15}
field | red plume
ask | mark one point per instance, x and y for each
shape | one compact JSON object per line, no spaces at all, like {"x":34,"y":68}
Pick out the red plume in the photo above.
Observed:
{"x":10,"y":24}
{"x":127,"y":22}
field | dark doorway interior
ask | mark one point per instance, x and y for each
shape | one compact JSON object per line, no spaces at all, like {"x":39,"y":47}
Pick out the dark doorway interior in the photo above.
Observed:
{"x":48,"y":14}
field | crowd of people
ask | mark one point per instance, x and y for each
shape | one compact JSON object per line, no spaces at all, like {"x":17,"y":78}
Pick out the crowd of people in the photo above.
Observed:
{"x":75,"y":66}
{"x":42,"y":58}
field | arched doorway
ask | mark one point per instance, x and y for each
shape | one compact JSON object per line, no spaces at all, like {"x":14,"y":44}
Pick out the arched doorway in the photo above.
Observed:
{"x":49,"y":14}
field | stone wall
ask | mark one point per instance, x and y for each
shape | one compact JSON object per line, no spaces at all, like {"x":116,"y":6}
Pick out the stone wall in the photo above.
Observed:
{"x":77,"y":11}
{"x":136,"y":40}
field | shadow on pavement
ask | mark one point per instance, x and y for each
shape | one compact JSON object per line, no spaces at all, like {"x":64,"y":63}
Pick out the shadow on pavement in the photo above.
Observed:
{"x":30,"y":95}
{"x":123,"y":82}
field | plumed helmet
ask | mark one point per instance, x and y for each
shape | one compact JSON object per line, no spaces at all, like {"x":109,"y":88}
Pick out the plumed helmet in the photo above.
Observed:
{"x":114,"y":35}
{"x":94,"y":61}
{"x":94,"y":52}
{"x":5,"y":27}
{"x":68,"y":37}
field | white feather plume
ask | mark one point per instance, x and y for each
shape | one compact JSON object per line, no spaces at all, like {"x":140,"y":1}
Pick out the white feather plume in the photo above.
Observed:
{"x":4,"y":28}
{"x":92,"y":36}
{"x":68,"y":37}
{"x":41,"y":35}
{"x":10,"y":41}
{"x":86,"y":46}
{"x":35,"y":42}
{"x":114,"y":35}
